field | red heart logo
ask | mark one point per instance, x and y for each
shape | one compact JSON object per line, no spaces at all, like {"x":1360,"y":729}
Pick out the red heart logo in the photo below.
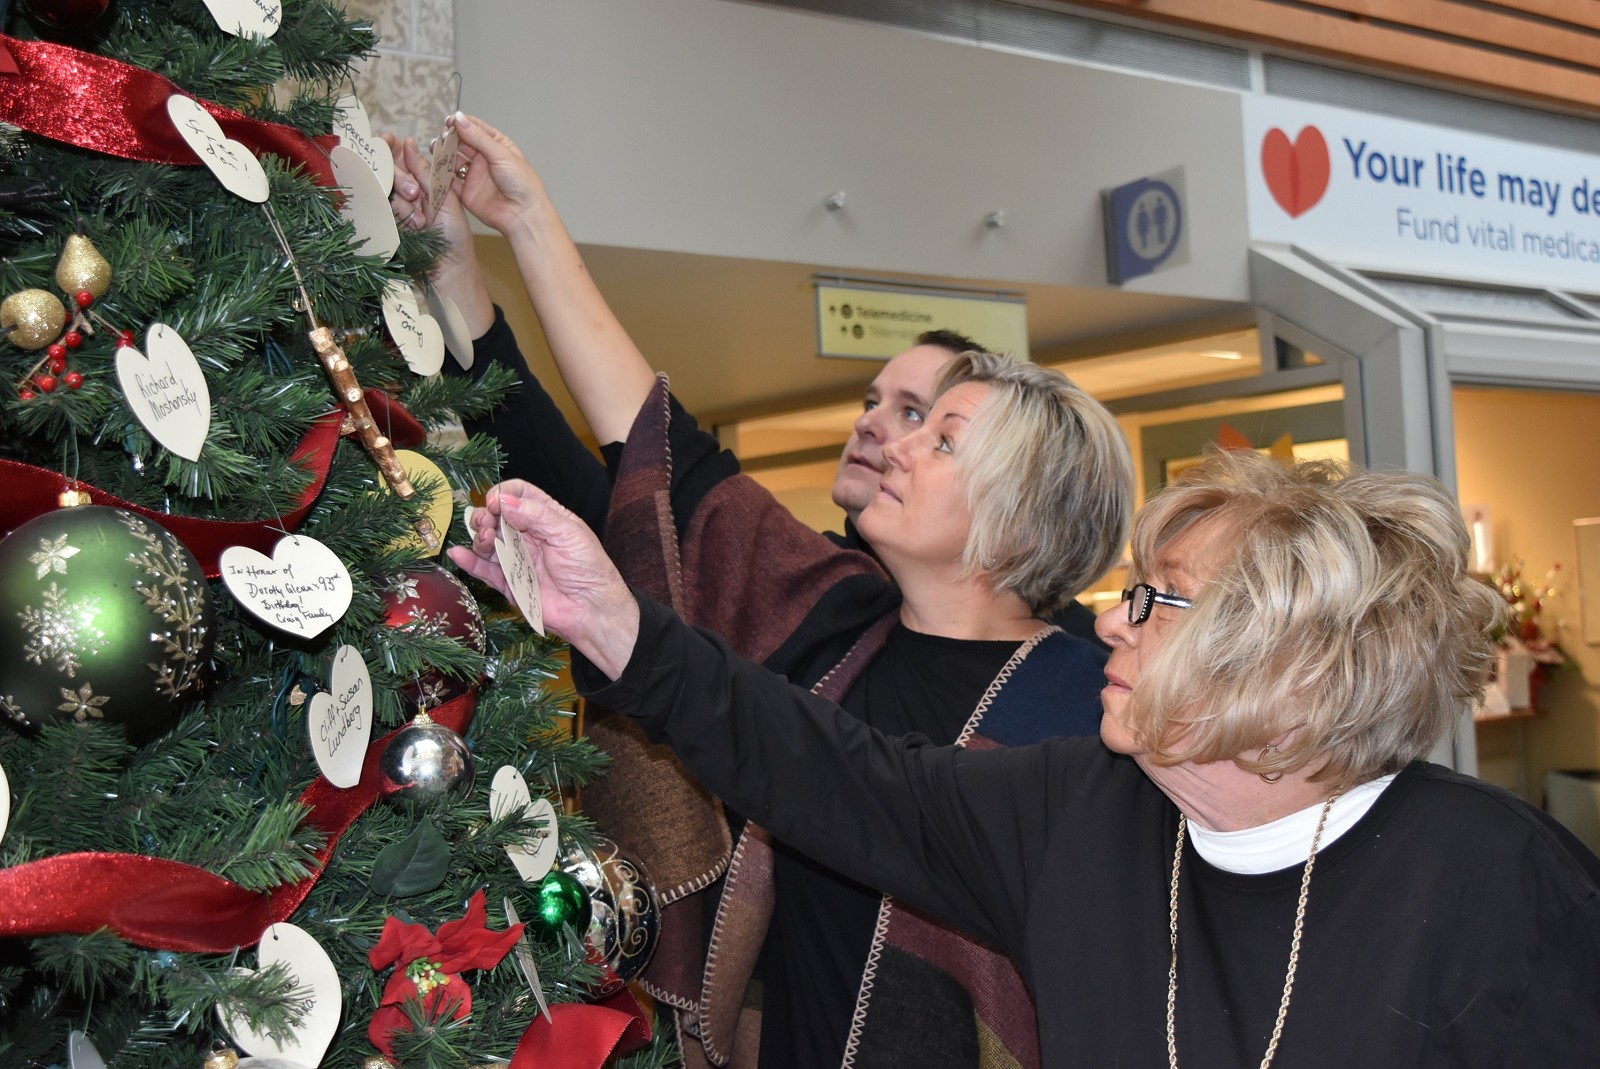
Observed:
{"x":1297,"y":173}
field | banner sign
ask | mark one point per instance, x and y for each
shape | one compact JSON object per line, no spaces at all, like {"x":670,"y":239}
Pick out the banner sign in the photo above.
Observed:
{"x":1387,"y":193}
{"x":879,"y":322}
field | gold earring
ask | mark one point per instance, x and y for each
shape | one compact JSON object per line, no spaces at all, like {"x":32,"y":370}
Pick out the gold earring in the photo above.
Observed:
{"x":1269,"y":777}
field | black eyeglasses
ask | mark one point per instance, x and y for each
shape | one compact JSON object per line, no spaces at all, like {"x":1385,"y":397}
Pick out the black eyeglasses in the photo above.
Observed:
{"x":1144,"y":597}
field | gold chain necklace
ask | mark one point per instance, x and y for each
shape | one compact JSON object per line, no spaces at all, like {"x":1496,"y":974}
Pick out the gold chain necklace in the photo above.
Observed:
{"x":1294,"y":947}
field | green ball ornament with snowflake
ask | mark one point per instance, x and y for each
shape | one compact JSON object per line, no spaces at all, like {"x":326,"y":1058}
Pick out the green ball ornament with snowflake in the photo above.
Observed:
{"x":104,"y":616}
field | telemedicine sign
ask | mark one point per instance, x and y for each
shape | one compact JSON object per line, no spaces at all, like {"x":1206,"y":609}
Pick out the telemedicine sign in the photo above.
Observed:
{"x":1379,"y":192}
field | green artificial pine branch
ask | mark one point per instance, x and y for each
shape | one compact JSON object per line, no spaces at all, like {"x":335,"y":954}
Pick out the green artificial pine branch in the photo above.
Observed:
{"x":84,"y":963}
{"x":440,"y":399}
{"x":221,"y":789}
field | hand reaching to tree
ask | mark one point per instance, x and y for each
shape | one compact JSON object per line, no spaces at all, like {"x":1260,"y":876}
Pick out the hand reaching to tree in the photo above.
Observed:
{"x":582,"y":596}
{"x":501,"y":186}
{"x":457,"y":275}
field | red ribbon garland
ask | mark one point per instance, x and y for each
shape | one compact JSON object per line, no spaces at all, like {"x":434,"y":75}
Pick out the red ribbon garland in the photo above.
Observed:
{"x":35,"y":491}
{"x":583,"y":1035}
{"x":167,"y":905}
{"x":113,"y":107}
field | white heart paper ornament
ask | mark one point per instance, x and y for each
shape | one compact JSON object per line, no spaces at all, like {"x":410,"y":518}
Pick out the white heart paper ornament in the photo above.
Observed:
{"x":241,"y":17}
{"x":516,"y":562}
{"x":457,"y":337}
{"x":317,"y":983}
{"x":416,"y":333}
{"x":340,"y":719}
{"x":366,"y":205}
{"x":235,"y":166}
{"x":354,"y":128}
{"x":442,"y":170}
{"x":5,"y":804}
{"x":167,"y":391}
{"x":81,"y":1054}
{"x":303,"y":588}
{"x":508,"y":793}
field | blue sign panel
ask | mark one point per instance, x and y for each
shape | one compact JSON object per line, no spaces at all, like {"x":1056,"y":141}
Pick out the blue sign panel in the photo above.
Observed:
{"x":1144,"y":226}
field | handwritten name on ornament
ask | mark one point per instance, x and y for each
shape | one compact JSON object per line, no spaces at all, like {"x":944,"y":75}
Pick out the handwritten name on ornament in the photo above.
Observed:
{"x":347,"y":717}
{"x":157,"y":390}
{"x":278,"y":593}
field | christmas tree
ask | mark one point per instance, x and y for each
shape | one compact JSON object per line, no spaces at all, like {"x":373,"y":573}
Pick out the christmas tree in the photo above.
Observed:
{"x":220,"y":601}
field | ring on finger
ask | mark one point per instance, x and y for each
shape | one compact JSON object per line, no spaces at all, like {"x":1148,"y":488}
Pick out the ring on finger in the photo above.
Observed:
{"x":464,"y":170}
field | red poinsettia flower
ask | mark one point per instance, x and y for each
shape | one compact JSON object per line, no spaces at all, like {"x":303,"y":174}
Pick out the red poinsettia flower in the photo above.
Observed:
{"x":428,"y":967}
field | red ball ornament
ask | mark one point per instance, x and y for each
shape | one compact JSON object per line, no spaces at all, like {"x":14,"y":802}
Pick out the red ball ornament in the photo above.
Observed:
{"x":425,"y":598}
{"x":125,"y":339}
{"x":66,"y":14}
{"x":84,"y":298}
{"x":58,"y":364}
{"x":74,"y":339}
{"x":57,"y":352}
{"x":47,"y":383}
{"x":74,"y":379}
{"x":27,"y":395}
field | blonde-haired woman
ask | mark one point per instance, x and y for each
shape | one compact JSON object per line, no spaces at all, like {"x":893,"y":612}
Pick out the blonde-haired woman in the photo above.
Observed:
{"x":1010,"y":496}
{"x":1257,"y":867}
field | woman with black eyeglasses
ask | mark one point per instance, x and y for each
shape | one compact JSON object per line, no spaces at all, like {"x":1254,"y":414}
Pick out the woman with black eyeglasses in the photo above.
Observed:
{"x":1257,"y":867}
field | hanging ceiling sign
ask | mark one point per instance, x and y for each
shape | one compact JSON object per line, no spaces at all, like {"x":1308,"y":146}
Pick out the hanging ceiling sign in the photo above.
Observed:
{"x":876,"y":322}
{"x":1387,"y":193}
{"x":1144,"y":226}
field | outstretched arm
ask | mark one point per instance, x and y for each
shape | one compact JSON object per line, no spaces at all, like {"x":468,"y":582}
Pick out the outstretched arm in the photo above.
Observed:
{"x":458,"y":274}
{"x":605,"y":372}
{"x":950,"y":830}
{"x":582,"y":596}
{"x":532,"y":430}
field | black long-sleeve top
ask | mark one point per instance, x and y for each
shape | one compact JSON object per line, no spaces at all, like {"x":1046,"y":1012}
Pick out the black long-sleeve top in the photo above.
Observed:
{"x":1452,"y":925}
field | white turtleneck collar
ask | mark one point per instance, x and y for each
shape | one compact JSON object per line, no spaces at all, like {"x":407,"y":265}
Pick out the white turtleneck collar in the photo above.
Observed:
{"x":1287,"y":840}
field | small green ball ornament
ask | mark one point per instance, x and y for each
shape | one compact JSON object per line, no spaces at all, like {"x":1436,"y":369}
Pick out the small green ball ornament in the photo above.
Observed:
{"x":104,"y":615}
{"x":561,"y":900}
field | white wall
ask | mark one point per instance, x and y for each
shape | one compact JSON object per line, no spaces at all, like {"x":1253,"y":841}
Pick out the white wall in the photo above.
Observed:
{"x":710,"y":126}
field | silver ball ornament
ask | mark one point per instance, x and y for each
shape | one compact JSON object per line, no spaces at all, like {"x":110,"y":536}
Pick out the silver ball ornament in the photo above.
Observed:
{"x":624,"y":913}
{"x":425,"y":761}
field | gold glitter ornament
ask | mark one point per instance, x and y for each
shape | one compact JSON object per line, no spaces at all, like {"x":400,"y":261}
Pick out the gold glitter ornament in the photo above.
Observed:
{"x":221,"y":1058}
{"x":81,"y":267}
{"x":32,"y":319}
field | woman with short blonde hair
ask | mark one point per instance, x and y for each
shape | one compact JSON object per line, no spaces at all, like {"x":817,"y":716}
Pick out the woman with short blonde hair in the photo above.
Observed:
{"x":1325,"y":626}
{"x":1049,"y":481}
{"x":1251,"y":867}
{"x":925,"y":621}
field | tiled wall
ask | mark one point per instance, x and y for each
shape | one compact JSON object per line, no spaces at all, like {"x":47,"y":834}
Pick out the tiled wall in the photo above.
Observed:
{"x":409,"y":86}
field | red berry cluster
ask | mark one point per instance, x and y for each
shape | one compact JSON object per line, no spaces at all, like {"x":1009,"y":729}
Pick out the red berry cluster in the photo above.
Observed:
{"x":57,"y":375}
